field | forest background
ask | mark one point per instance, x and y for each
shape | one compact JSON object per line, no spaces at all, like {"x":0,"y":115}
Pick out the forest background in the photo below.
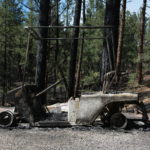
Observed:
{"x":16,"y":14}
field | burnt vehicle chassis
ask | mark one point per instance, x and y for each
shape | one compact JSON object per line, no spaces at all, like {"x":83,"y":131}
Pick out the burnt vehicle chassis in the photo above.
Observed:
{"x":81,"y":111}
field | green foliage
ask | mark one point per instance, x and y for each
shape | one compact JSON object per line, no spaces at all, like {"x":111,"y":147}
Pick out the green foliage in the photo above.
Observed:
{"x":132,"y":82}
{"x":32,"y":16}
{"x":129,"y":55}
{"x":91,"y":81}
{"x":13,"y":38}
{"x":93,"y":48}
{"x":11,"y":35}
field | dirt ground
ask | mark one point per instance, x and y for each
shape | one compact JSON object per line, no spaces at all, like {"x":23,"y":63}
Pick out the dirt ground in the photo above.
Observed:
{"x":74,"y":139}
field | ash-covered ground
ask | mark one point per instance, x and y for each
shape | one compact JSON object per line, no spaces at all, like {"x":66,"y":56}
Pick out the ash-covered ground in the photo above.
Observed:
{"x":96,"y":137}
{"x":75,"y":138}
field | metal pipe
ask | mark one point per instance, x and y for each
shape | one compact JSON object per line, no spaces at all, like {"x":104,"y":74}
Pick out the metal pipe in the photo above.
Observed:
{"x":45,"y":90}
{"x":62,"y":27}
{"x":71,"y":38}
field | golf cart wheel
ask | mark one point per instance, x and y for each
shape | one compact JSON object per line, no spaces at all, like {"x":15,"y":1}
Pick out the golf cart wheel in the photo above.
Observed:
{"x":105,"y":117}
{"x":7,"y":119}
{"x":118,"y":120}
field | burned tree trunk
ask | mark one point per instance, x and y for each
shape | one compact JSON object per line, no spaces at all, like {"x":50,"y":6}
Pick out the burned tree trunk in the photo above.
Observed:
{"x":141,"y":42}
{"x":77,"y":83}
{"x":120,"y":41}
{"x":112,"y":13}
{"x":113,"y":76}
{"x":5,"y":74}
{"x":57,"y":43}
{"x":42,"y":49}
{"x":5,"y":61}
{"x":72,"y":65}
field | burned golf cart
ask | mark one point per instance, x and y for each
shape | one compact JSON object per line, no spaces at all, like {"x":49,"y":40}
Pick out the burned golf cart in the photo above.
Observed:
{"x":80,"y":111}
{"x":84,"y":110}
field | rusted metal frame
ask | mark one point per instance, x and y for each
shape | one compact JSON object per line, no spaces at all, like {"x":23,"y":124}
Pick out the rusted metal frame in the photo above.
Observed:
{"x":72,"y":38}
{"x":15,"y":89}
{"x":81,"y":27}
{"x":37,"y":37}
{"x":33,"y":33}
{"x":51,"y":86}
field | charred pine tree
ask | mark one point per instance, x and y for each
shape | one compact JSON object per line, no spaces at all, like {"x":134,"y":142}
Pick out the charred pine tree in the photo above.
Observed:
{"x":40,"y":78}
{"x":141,"y":42}
{"x":67,"y":20}
{"x":112,"y":13}
{"x":5,"y":60}
{"x":5,"y":73}
{"x":77,"y":83}
{"x":120,"y":40}
{"x":74,"y":47}
{"x":57,"y":42}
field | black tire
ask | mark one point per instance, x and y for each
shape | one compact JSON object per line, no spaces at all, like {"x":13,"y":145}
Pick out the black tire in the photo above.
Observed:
{"x":7,"y":119}
{"x":118,"y":120}
{"x":105,"y":117}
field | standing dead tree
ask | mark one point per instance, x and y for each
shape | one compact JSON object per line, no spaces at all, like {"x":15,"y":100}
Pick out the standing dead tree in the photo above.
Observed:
{"x":113,"y":76}
{"x":112,"y":13}
{"x":28,"y":103}
{"x":42,"y":49}
{"x":141,"y":42}
{"x":120,"y":40}
{"x":5,"y":61}
{"x":57,"y":43}
{"x":77,"y":84}
{"x":74,"y":47}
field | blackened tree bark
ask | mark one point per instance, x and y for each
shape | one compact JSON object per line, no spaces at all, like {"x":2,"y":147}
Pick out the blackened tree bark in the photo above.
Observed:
{"x":5,"y":72}
{"x":57,"y":44}
{"x":5,"y":61}
{"x":112,"y":13}
{"x":42,"y":49}
{"x":67,"y":16}
{"x":77,"y":84}
{"x":120,"y":41}
{"x":74,"y":47}
{"x":141,"y":42}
